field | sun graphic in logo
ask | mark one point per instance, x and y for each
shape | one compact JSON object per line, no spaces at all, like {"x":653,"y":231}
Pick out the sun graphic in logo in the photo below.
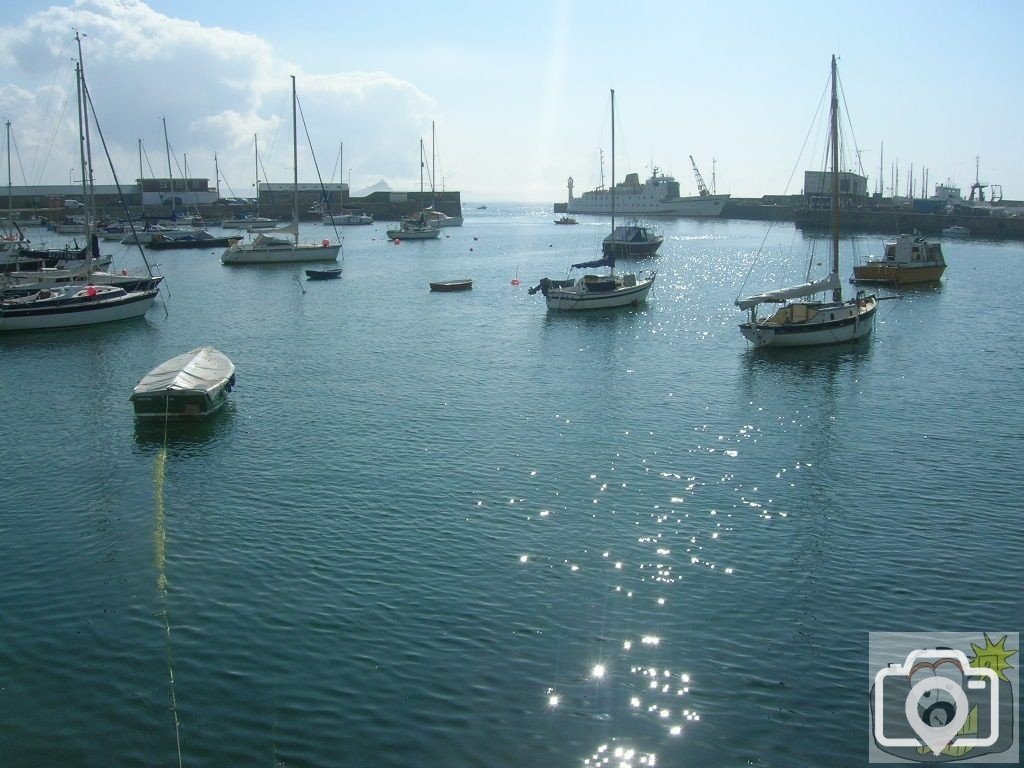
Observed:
{"x":993,"y":656}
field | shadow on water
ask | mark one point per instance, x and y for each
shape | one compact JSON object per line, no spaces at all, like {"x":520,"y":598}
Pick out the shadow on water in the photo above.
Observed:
{"x":184,"y":437}
{"x":827,"y":358}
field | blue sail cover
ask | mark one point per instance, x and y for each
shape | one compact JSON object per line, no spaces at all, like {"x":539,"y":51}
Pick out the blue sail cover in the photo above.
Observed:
{"x":607,"y":261}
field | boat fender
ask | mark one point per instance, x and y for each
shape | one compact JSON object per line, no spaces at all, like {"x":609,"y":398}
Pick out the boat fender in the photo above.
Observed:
{"x":325,"y":242}
{"x":91,"y":291}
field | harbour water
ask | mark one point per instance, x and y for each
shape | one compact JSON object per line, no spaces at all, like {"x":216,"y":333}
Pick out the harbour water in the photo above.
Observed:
{"x":456,"y":529}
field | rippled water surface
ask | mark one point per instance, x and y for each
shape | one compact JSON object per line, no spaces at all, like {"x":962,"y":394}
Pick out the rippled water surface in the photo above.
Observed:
{"x":454,"y":529}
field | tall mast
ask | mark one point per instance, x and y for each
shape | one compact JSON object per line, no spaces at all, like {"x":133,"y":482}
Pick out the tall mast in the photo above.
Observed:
{"x":613,"y":163}
{"x":421,"y":171}
{"x":881,"y":167}
{"x":142,"y":191}
{"x":81,"y":132}
{"x":170,"y":176}
{"x":837,"y":293}
{"x":433,"y":169}
{"x":216,"y":173}
{"x":88,"y":183}
{"x":10,"y":189}
{"x":256,"y":152}
{"x":295,"y":163}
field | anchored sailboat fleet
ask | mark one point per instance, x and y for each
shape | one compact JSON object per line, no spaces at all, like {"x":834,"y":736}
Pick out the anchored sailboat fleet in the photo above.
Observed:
{"x":80,"y":300}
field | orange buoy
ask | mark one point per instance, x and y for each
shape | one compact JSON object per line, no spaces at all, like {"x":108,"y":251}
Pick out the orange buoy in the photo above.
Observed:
{"x":515,"y":281}
{"x":397,"y":241}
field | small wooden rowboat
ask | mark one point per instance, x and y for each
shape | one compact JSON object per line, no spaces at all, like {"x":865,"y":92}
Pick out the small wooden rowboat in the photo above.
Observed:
{"x":323,"y":274}
{"x":451,"y":285}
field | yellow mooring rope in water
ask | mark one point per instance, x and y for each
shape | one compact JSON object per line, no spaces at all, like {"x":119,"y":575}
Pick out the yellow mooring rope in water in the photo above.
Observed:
{"x":160,"y":546}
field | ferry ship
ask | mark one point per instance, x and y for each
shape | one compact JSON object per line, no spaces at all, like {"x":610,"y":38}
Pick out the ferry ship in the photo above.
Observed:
{"x":658,"y":196}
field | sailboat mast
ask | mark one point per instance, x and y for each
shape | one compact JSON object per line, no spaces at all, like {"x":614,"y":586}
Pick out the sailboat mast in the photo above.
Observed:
{"x":216,"y":174}
{"x":295,"y":163}
{"x":170,"y":175}
{"x":81,"y":131}
{"x":10,"y":189}
{"x":613,"y":173}
{"x":256,"y":186}
{"x":433,"y":169}
{"x":142,"y":191}
{"x":837,"y":293}
{"x":421,"y":171}
{"x":88,"y":182}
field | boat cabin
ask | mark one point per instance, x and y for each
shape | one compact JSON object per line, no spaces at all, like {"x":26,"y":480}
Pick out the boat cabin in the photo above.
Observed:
{"x":913,"y":250}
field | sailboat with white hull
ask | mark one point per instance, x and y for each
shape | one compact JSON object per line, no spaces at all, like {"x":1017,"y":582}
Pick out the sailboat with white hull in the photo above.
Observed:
{"x":81,"y":302}
{"x":598,"y":291}
{"x":803,"y":323}
{"x":270,"y":247}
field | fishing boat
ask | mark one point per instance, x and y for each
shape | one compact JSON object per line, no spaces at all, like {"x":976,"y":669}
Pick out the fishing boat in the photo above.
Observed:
{"x":270,"y":247}
{"x":80,"y":302}
{"x":909,"y":260}
{"x":802,"y":322}
{"x":598,"y":291}
{"x":448,"y":286}
{"x":323,"y":274}
{"x":191,"y":385}
{"x":632,"y":241}
{"x":566,"y":220}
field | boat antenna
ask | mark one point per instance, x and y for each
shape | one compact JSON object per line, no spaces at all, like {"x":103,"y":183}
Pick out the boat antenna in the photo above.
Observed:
{"x":837,"y":292}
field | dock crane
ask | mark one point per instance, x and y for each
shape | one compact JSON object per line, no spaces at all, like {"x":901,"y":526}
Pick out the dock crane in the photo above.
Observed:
{"x":702,"y":188}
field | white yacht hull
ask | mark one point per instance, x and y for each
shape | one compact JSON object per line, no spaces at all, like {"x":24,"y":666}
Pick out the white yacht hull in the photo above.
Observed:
{"x":123,"y":308}
{"x":423,"y":234}
{"x":573,"y":299}
{"x":279,"y":254}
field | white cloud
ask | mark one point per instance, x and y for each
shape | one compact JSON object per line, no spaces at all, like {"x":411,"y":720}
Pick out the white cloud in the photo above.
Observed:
{"x":216,"y":87}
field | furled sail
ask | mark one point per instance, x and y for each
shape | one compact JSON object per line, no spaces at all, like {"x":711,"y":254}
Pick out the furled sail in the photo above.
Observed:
{"x":607,"y":261}
{"x":830,"y":283}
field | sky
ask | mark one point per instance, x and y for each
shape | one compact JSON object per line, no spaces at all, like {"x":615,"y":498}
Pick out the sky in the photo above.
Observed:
{"x":518,"y":93}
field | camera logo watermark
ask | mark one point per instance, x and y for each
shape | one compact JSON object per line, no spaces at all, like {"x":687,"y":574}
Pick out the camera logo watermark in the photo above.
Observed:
{"x":943,"y":697}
